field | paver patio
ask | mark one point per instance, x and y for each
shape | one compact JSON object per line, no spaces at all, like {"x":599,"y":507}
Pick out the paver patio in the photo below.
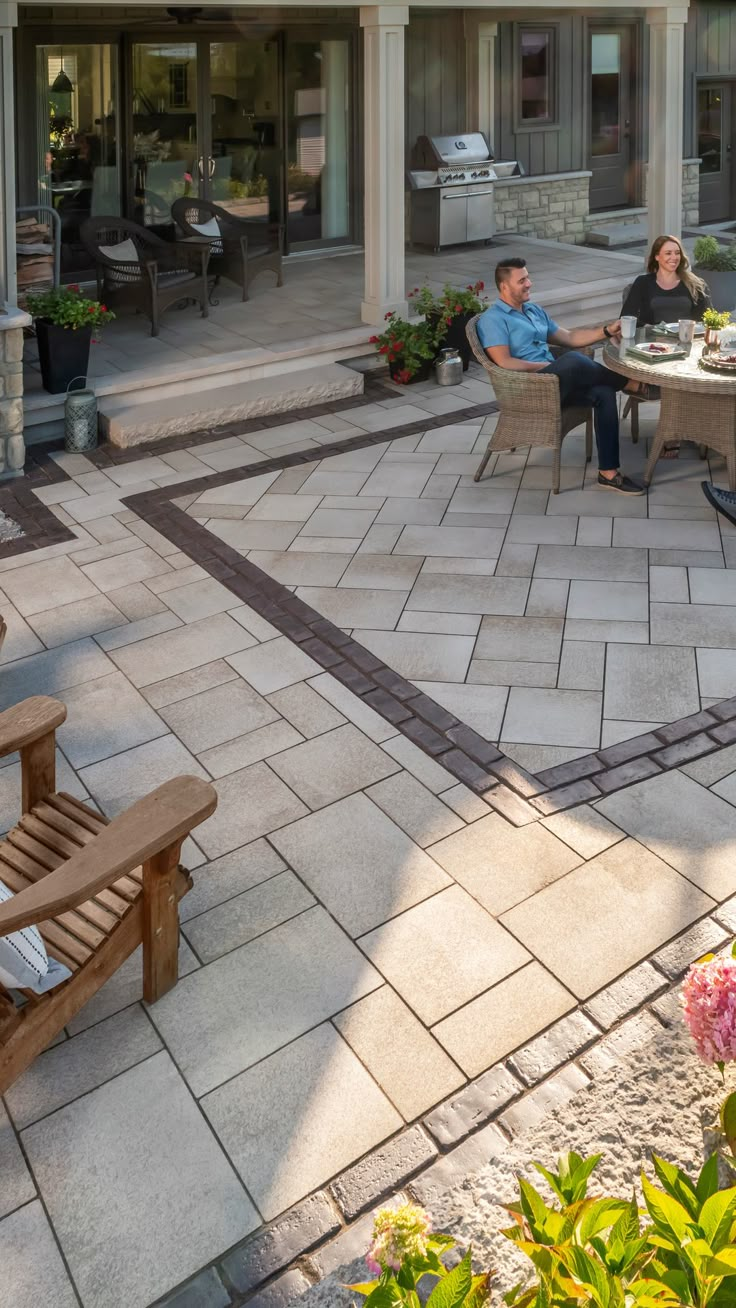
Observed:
{"x":366,"y":933}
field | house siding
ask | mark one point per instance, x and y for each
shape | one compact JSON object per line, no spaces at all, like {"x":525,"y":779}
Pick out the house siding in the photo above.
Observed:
{"x":435,"y":75}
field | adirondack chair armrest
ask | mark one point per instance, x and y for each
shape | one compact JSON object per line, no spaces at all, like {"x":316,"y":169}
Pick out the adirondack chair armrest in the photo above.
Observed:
{"x":29,"y":721}
{"x":151,"y":825}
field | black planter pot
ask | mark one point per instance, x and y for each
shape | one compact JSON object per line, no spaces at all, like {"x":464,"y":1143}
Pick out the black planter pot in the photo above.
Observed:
{"x":423,"y":372}
{"x":456,"y":339}
{"x":62,"y":353}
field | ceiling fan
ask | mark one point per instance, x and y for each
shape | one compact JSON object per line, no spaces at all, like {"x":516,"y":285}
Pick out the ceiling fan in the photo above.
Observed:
{"x":189,"y":15}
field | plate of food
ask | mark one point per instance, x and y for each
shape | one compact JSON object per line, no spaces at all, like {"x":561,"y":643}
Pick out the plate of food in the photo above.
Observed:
{"x":656,"y":351}
{"x":723,"y":362}
{"x":673,"y":328}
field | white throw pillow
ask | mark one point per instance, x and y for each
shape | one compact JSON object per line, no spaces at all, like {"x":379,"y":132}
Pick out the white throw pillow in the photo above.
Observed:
{"x":210,"y":228}
{"x":123,"y":252}
{"x":24,"y":963}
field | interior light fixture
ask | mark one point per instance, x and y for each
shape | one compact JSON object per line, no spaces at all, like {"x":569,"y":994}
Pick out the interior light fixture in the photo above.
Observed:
{"x":62,"y":84}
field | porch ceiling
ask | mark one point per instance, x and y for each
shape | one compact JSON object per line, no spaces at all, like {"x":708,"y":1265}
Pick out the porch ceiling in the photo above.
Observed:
{"x":674,"y":12}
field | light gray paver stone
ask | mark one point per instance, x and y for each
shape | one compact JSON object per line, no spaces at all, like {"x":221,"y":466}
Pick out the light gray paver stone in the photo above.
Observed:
{"x":29,"y":1281}
{"x":229,"y":876}
{"x":200,"y":599}
{"x":716,"y":672}
{"x":626,"y":994}
{"x":295,"y":976}
{"x":427,"y":658}
{"x":274,"y":665}
{"x":248,"y":915}
{"x":591,"y":563}
{"x":182,"y":649}
{"x":554,"y":717}
{"x":306,"y":1111}
{"x":105,"y":717}
{"x":182,"y":1204}
{"x":501,"y":1019}
{"x":381,"y":572}
{"x":124,"y":988}
{"x":414,"y":808}
{"x":689,"y":827}
{"x":469,"y":952}
{"x":499,"y":864}
{"x":17,"y":1183}
{"x":359,"y":863}
{"x":305,"y":710}
{"x":650,"y":682}
{"x":582,"y":665}
{"x":712,"y":625}
{"x":584,"y":829}
{"x":409,"y":1065}
{"x":125,"y":569}
{"x":616,"y":601}
{"x":456,"y":593}
{"x":369,"y":722}
{"x":606,"y":915}
{"x":251,"y":803}
{"x":232,"y":755}
{"x":77,"y":1066}
{"x":53,"y":671}
{"x":479,"y":707}
{"x":331,"y":766}
{"x":221,"y":713}
{"x":46,"y":585}
{"x":355,"y":606}
{"x":418,"y":763}
{"x":537,"y":639}
{"x":118,"y":782}
{"x":72,"y":622}
{"x":382,"y":1171}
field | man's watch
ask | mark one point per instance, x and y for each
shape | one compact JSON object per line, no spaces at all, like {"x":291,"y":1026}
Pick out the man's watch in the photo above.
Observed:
{"x":606,"y":332}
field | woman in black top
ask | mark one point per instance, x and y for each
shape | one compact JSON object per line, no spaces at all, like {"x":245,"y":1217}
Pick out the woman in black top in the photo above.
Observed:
{"x":668,"y":290}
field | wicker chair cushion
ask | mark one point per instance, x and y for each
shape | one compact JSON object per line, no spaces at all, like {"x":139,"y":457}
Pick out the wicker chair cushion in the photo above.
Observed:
{"x":24,"y":963}
{"x":124,"y":254}
{"x":210,"y":228}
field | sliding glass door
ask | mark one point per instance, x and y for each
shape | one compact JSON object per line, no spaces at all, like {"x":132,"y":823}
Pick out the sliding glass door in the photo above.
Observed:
{"x":244,"y":160}
{"x":318,"y":141}
{"x":165,"y":153}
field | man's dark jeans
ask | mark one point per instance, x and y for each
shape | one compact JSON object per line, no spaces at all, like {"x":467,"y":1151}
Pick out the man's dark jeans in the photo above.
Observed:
{"x":584,"y":382}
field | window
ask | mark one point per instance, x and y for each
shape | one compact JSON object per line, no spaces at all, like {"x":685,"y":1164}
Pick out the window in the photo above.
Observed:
{"x":710,"y":128}
{"x":178,"y":86}
{"x":536,"y":74}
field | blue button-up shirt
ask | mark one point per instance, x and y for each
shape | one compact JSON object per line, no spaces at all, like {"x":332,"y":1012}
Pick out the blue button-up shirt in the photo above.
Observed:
{"x":525,"y":331}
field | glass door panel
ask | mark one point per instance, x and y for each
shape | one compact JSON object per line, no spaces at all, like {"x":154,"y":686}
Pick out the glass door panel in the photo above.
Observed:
{"x":610,"y":118}
{"x":715,"y":130}
{"x":77,"y":142}
{"x":166,"y":159}
{"x":318,"y":141}
{"x":243,"y":169}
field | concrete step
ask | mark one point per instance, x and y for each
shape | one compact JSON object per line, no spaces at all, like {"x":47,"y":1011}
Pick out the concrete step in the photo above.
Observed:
{"x":610,"y":235}
{"x":587,"y":304}
{"x":136,"y":418}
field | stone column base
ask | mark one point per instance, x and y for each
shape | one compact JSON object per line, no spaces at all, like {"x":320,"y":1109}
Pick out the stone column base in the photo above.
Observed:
{"x":12,"y":445}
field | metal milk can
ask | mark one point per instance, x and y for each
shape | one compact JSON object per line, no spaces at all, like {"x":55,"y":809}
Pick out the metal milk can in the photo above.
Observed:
{"x":448,"y":369}
{"x":80,"y":418}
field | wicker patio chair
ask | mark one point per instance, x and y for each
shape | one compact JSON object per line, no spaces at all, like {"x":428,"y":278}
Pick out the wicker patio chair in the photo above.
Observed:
{"x":95,"y":889}
{"x":530,"y":411}
{"x":243,"y":248}
{"x":162,"y":273}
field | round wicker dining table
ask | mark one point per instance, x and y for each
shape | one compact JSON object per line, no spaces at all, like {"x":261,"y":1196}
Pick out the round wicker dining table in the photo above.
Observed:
{"x":698,"y":404}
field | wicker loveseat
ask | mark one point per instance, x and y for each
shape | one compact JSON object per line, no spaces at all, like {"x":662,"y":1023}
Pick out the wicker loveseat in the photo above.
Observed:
{"x":240,"y":249}
{"x":136,"y":268}
{"x":530,"y":411}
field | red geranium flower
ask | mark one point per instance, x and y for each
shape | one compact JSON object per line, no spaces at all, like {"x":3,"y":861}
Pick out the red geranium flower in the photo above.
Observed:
{"x":458,"y":308}
{"x":103,"y":308}
{"x":373,"y":340}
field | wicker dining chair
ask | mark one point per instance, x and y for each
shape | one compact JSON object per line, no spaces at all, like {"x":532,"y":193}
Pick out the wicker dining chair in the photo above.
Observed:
{"x":149,"y":275}
{"x":242,"y":248}
{"x":530,"y":411}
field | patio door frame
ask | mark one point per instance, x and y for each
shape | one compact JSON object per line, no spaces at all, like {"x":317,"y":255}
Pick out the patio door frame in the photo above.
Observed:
{"x":727,"y":170}
{"x":633,"y":47}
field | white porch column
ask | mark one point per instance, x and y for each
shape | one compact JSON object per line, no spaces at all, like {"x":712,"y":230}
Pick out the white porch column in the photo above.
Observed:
{"x":383,"y":36}
{"x":480,"y":85}
{"x":666,"y":79}
{"x":8,"y":20}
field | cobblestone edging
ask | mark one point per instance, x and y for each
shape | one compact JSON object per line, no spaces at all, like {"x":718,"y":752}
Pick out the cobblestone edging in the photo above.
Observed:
{"x":330,"y":1228}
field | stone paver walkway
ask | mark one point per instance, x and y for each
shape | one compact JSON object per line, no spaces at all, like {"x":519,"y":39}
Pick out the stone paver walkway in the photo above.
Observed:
{"x":365,"y":934}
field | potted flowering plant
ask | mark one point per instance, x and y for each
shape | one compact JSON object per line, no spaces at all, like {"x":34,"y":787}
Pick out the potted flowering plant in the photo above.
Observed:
{"x":409,"y":348}
{"x":64,"y":321}
{"x":449,"y":314}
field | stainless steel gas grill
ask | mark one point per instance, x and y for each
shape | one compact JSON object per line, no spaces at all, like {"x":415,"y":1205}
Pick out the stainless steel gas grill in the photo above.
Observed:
{"x":452,"y":189}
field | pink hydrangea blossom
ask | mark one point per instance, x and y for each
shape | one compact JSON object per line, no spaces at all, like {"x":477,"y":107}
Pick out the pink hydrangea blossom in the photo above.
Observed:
{"x":398,"y":1233}
{"x":709,"y":1003}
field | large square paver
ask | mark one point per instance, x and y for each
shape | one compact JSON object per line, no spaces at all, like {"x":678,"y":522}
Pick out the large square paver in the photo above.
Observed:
{"x":17,"y":1183}
{"x":244,"y":1006}
{"x":118,"y":782}
{"x":218,"y":714}
{"x":411,"y":1067}
{"x":414,"y":654}
{"x":604,"y":916}
{"x":361,"y":865}
{"x":650,"y":683}
{"x":686,"y":825}
{"x":180,"y":650}
{"x":553,"y":717}
{"x":105,"y":717}
{"x":502,"y":1019}
{"x":48,"y":584}
{"x":332,"y":766}
{"x":53,"y":670}
{"x":499,"y":864}
{"x":137,"y":1187}
{"x":251,"y":803}
{"x":442,"y":953}
{"x":246,"y":916}
{"x":33,"y":1273}
{"x":274,"y":665}
{"x":231,"y":875}
{"x":298,"y":1117}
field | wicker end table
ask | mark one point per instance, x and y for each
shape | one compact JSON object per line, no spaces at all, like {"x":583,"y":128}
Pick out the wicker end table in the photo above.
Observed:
{"x":696,"y":405}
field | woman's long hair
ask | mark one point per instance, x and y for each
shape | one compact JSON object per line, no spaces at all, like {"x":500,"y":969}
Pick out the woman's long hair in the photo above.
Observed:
{"x":695,"y":286}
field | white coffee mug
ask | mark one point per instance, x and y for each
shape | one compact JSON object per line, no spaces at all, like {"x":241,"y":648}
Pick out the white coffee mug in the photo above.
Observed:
{"x":628,"y":327}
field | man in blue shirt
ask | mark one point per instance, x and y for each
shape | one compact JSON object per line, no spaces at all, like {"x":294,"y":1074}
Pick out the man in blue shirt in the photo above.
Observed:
{"x":515,"y":334}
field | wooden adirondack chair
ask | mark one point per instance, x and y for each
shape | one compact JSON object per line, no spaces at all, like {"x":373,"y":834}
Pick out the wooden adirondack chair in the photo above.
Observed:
{"x":95,"y":889}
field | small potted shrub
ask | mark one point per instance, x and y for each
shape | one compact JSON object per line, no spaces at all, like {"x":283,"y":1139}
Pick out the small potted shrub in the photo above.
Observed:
{"x":64,"y":320}
{"x":449,"y":314}
{"x":409,"y":349}
{"x":716,"y":264}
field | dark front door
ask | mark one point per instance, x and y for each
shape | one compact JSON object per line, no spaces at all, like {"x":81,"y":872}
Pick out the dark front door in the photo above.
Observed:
{"x":715,"y":135}
{"x":611,"y":117}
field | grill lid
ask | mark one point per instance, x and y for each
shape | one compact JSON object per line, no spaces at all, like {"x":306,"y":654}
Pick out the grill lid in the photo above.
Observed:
{"x":462,"y":150}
